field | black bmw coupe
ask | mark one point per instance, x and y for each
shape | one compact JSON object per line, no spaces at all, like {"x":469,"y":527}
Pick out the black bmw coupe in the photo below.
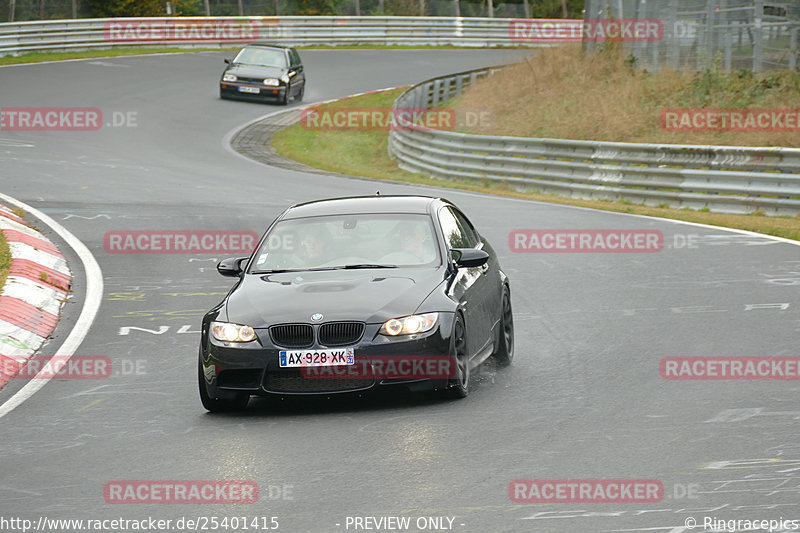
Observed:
{"x":350,"y":294}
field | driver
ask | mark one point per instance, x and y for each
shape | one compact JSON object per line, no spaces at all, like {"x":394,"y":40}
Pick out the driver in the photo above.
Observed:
{"x":415,"y":240}
{"x":316,"y":246}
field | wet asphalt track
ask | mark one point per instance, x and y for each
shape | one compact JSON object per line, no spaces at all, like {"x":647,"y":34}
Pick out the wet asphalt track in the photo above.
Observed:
{"x":583,"y":399}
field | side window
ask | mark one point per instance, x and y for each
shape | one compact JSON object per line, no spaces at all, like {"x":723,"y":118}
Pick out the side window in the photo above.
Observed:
{"x":452,"y":230}
{"x":294,"y":57}
{"x":469,"y":231}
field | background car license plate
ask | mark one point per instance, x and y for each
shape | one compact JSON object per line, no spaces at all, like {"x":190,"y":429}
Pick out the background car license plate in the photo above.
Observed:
{"x":254,"y":90}
{"x":305,"y":358}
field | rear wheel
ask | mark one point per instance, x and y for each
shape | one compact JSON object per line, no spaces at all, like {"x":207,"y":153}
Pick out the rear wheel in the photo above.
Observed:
{"x":505,"y":349}
{"x":459,"y":385}
{"x":216,"y":405}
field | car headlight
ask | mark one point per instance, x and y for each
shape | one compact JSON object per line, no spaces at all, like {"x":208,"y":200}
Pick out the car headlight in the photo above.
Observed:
{"x":228,"y":77}
{"x":272,"y":82}
{"x":408,"y":325}
{"x":225,"y":331}
{"x":285,"y":78}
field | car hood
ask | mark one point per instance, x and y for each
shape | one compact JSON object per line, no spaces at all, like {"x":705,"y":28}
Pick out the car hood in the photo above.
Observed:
{"x":255,"y":71}
{"x":372,"y":296}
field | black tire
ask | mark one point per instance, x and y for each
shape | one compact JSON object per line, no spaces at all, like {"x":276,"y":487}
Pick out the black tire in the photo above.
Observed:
{"x":216,"y":405}
{"x":459,"y":385}
{"x":285,"y":99}
{"x":505,"y":348}
{"x":299,"y":97}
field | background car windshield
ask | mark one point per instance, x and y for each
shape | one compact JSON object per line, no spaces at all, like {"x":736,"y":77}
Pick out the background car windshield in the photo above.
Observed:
{"x":332,"y":241}
{"x":261,"y":56}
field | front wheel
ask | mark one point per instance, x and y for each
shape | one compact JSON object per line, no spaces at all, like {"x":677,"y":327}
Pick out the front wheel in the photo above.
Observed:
{"x":217,"y":405}
{"x":286,"y":93}
{"x":459,"y":384}
{"x":505,"y":349}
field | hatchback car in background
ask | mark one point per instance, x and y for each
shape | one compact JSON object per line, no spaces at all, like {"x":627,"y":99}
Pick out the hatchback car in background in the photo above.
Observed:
{"x":264,"y":72}
{"x":356,"y":293}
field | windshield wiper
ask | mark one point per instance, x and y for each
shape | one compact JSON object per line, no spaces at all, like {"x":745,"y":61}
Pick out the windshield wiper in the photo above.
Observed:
{"x":317,"y":269}
{"x":365,"y":265}
{"x":282,"y":270}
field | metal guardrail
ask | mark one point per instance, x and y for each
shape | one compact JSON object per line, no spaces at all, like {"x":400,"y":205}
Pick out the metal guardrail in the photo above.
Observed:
{"x":193,"y":32}
{"x":720,"y":178}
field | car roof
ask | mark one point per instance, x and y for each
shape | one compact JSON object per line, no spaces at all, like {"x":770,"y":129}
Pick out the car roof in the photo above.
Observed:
{"x":268,"y":45}
{"x":363,"y":204}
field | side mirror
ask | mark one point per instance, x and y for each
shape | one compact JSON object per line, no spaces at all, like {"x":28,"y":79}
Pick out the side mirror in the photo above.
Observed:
{"x":232,"y":266}
{"x":228,"y":61}
{"x":469,"y":257}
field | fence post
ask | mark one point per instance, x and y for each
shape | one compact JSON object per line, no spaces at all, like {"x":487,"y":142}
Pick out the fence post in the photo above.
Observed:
{"x":758,"y":39}
{"x":673,"y":46}
{"x":709,"y":37}
{"x":793,"y":48}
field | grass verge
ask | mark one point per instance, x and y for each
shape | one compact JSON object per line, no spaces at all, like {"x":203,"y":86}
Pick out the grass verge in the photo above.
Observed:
{"x":563,"y":93}
{"x":363,"y":153}
{"x":38,"y":57}
{"x":5,"y":260}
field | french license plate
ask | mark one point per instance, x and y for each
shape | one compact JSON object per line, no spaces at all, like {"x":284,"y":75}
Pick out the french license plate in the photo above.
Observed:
{"x":306,"y":358}
{"x":253,"y":90}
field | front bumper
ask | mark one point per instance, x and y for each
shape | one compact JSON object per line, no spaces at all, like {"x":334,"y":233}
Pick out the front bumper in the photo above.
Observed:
{"x":265,"y":93}
{"x":232,"y":368}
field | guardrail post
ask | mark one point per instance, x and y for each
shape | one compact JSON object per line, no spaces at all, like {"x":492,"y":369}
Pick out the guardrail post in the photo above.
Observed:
{"x":793,"y":48}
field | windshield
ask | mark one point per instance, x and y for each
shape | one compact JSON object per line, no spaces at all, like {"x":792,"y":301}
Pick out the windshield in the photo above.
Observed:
{"x":261,"y":56}
{"x":349,"y":241}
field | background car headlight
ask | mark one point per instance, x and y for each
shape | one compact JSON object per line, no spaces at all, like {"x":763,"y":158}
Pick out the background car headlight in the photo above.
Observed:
{"x":272,"y":82}
{"x":225,"y":331}
{"x":409,"y":325}
{"x":228,"y":77}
